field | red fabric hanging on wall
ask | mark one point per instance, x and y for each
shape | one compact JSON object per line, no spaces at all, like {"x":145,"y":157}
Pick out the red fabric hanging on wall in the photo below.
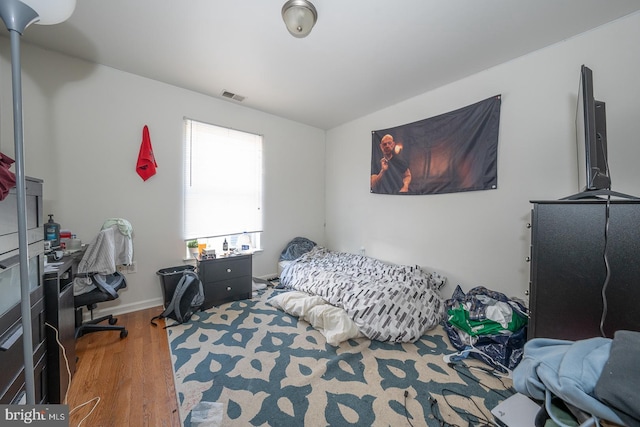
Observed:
{"x":146,"y":166}
{"x":7,"y":178}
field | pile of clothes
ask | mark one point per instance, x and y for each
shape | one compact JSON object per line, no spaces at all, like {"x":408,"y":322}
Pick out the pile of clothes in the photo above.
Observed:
{"x":595,"y":378}
{"x":296,"y":248}
{"x":487,"y":325}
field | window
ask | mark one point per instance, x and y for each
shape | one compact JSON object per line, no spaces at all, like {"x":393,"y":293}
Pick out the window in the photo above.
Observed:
{"x":222,"y":182}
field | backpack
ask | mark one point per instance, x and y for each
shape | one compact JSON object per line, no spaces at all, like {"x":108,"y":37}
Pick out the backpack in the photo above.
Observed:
{"x":187,"y":299}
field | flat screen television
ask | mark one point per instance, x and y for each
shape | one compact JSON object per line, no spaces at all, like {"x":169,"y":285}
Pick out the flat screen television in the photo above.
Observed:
{"x":591,"y":137}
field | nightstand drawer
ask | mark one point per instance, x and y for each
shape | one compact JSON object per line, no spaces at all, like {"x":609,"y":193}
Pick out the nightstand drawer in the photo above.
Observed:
{"x":223,"y":291}
{"x":226,"y":268}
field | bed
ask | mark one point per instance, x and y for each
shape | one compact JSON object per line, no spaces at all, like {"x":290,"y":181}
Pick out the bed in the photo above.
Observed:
{"x":346,"y":296}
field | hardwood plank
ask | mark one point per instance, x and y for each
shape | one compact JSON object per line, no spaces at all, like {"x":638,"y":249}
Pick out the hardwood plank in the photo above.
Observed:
{"x":133,"y":377}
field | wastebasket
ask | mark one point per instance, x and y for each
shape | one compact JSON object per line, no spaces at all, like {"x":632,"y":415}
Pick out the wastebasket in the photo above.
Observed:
{"x":169,"y":278}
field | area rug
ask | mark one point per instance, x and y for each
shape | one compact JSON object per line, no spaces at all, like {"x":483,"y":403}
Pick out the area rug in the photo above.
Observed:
{"x":264,"y":367}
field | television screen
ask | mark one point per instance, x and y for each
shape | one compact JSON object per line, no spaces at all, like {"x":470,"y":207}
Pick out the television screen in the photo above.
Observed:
{"x":591,"y":137}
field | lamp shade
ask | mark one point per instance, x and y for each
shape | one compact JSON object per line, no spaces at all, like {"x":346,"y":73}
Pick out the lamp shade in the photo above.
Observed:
{"x":299,"y":16}
{"x":51,"y":12}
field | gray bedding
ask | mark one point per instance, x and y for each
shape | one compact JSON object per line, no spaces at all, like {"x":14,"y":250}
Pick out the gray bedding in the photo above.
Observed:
{"x":393,"y":303}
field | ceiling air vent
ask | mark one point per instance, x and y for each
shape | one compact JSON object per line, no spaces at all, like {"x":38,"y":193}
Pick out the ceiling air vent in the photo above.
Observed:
{"x":233,"y":96}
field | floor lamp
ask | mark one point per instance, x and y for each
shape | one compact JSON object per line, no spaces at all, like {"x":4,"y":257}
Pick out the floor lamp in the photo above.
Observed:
{"x":17,"y":16}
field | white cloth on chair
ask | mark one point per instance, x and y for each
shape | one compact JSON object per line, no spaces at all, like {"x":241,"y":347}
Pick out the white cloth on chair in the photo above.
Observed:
{"x":109,"y":249}
{"x":124,"y":226}
{"x":122,"y":242}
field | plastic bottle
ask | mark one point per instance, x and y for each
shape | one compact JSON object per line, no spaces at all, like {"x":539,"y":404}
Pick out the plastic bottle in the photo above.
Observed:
{"x":244,"y":243}
{"x":52,"y":232}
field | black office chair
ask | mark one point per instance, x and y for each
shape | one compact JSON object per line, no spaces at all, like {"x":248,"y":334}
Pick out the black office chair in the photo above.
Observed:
{"x":98,"y":280}
{"x":107,"y":288}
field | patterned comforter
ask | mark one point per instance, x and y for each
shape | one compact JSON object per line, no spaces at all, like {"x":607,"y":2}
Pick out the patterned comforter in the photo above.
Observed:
{"x":387,"y":302}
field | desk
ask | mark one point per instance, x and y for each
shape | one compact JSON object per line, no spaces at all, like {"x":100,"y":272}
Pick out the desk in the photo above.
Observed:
{"x":60,"y":313}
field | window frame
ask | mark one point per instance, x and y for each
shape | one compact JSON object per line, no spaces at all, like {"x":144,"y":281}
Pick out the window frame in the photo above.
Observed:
{"x":215,"y":159}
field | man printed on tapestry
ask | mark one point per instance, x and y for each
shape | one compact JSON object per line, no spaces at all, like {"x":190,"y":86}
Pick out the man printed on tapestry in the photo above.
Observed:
{"x":453,"y":152}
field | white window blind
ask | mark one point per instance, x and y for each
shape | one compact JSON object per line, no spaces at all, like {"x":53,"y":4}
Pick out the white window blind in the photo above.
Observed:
{"x":222,"y":182}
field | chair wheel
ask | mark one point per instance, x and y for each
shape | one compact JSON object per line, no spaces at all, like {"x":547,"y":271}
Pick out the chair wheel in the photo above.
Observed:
{"x":124,"y":333}
{"x":113,"y":321}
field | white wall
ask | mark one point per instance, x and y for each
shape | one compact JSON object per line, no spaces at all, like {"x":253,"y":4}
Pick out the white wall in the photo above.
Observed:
{"x":480,"y":238}
{"x":83,"y":127}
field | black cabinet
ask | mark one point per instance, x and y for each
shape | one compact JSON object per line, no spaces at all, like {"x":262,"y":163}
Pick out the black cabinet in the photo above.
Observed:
{"x":225,"y":279}
{"x":581,"y":250}
{"x":60,"y":313}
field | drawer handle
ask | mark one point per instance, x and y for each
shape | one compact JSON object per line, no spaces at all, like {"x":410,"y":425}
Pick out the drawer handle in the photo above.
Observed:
{"x":11,"y":339}
{"x":228,"y":270}
{"x":10,"y":262}
{"x":228,"y":288}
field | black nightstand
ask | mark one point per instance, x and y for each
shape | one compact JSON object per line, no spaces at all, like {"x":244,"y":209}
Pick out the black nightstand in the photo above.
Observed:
{"x":225,"y":279}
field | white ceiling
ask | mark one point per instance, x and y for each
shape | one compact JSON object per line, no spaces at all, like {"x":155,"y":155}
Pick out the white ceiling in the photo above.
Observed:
{"x":362,"y":55}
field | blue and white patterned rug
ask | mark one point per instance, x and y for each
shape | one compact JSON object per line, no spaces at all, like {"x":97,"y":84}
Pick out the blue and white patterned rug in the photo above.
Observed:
{"x":266,"y":368}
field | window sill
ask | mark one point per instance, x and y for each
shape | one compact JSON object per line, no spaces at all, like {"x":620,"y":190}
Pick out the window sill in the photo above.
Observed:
{"x":254,"y":252}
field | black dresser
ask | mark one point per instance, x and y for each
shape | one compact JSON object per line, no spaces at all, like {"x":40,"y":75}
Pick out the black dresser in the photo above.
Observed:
{"x":225,"y":279}
{"x":580,"y":250}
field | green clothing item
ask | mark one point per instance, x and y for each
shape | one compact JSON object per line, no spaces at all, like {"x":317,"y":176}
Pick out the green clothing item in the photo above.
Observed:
{"x":459,"y":317}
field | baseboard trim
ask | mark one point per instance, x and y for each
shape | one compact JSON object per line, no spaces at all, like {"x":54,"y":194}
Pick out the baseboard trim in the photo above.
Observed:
{"x":117,"y":308}
{"x":124,"y":308}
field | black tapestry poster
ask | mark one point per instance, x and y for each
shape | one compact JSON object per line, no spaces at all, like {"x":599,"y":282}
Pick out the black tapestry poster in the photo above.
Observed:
{"x":453,"y":152}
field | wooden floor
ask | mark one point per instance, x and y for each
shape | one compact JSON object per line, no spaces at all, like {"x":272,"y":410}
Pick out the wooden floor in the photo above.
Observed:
{"x":132,"y":377}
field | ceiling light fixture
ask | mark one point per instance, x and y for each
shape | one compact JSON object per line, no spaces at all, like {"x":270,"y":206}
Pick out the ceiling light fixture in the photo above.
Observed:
{"x":299,"y":16}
